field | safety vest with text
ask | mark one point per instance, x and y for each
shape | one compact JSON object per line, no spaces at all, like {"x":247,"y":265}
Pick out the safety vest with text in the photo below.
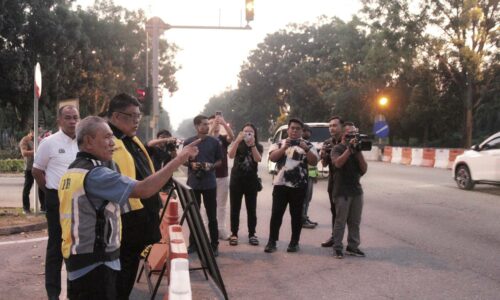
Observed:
{"x":91,"y":228}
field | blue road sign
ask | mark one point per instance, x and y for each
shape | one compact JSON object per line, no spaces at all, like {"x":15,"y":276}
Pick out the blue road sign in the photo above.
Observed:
{"x":381,"y":129}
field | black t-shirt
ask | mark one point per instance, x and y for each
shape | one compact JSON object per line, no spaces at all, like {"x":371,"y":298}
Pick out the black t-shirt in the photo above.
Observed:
{"x":160,"y":156}
{"x":221,"y":171}
{"x":244,"y":166}
{"x":346,"y":179}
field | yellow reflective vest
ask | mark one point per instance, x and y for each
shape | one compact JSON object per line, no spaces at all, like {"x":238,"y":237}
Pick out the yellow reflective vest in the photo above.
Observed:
{"x":91,"y":228}
{"x":125,"y":162}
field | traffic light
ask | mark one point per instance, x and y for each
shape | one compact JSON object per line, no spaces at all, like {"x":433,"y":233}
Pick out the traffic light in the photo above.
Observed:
{"x":249,"y":10}
{"x":140,"y":94}
{"x":145,"y":96}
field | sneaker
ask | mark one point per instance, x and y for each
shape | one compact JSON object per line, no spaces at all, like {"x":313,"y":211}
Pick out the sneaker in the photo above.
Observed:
{"x":354,"y":252}
{"x":26,"y":212}
{"x":233,"y":240}
{"x":314,"y":223}
{"x":270,"y":247}
{"x":192,"y":249}
{"x":308,"y":225}
{"x":215,"y":250}
{"x":339,"y":254}
{"x":327,"y":243}
{"x":293,"y":247}
{"x":253,"y":240}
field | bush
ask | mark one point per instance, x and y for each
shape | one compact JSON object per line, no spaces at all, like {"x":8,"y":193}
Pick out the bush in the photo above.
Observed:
{"x":11,"y":166}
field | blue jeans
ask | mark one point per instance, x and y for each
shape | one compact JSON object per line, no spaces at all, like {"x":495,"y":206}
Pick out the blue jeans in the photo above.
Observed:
{"x":53,"y":258}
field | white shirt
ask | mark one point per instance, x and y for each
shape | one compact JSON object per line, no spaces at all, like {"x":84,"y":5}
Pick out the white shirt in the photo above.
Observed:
{"x":55,"y":153}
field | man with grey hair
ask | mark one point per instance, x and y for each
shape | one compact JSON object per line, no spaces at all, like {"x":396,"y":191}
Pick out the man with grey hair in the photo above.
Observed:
{"x":91,"y":193}
{"x":51,"y":160}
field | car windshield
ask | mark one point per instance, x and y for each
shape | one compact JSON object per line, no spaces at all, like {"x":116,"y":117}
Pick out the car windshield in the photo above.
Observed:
{"x":318,"y":134}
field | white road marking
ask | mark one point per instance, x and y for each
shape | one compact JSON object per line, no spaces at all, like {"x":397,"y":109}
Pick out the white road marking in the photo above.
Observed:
{"x":24,"y":241}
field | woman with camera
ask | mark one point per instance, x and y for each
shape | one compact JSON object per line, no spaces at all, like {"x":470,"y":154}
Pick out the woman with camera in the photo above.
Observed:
{"x":247,"y":153}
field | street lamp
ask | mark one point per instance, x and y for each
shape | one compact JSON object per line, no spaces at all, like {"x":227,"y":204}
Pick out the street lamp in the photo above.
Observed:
{"x":383,"y":102}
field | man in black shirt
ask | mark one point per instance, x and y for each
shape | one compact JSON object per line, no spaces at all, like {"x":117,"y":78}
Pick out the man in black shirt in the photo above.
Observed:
{"x":140,"y":217}
{"x":347,"y":192}
{"x":162,"y":150}
{"x":335,"y":127}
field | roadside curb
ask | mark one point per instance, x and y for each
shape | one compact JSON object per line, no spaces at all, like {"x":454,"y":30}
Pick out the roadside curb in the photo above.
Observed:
{"x":23,"y":228}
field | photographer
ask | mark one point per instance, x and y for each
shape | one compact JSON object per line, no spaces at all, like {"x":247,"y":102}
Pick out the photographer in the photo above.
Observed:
{"x":201,"y":178}
{"x":347,"y":192}
{"x":335,"y":128}
{"x":162,"y":149}
{"x":292,"y":156}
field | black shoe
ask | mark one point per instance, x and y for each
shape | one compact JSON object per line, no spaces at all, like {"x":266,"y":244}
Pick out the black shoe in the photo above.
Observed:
{"x":354,"y":252}
{"x":293,"y":247}
{"x":192,"y":249}
{"x":215,"y":250}
{"x":339,"y":254}
{"x":314,"y":223}
{"x":270,"y":247}
{"x":327,"y":243}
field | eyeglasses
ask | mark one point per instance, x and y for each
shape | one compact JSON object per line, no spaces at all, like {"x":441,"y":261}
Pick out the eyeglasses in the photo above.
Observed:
{"x":132,"y":116}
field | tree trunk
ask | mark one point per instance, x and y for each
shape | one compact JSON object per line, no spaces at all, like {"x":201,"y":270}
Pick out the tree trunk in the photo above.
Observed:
{"x":469,"y":118}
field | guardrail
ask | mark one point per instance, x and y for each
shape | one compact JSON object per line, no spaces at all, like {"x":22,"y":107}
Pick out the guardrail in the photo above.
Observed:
{"x":422,"y":157}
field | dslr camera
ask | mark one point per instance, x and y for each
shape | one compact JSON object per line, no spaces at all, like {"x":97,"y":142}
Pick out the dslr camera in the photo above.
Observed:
{"x":362,"y":143}
{"x":295,"y":142}
{"x":172,"y":145}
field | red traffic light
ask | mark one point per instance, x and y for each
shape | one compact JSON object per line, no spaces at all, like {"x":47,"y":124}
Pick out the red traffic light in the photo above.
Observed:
{"x":141,"y":94}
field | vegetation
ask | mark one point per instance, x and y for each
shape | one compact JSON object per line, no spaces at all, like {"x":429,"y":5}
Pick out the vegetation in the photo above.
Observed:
{"x":90,"y":54}
{"x":437,"y":62}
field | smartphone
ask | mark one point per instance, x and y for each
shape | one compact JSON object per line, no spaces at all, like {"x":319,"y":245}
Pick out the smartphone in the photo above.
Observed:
{"x":218,"y":113}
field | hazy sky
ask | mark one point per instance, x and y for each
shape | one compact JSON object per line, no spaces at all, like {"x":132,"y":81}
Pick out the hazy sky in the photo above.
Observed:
{"x":211,"y":59}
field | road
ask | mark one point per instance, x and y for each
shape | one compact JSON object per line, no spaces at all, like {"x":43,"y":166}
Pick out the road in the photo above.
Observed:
{"x":423,"y":237}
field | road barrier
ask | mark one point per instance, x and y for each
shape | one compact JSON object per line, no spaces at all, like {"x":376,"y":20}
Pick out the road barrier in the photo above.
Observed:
{"x":406,"y":156}
{"x":422,"y":157}
{"x":397,"y":154}
{"x":387,"y":156}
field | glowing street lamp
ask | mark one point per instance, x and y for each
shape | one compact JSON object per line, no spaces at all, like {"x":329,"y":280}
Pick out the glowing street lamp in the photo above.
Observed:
{"x":383,"y":102}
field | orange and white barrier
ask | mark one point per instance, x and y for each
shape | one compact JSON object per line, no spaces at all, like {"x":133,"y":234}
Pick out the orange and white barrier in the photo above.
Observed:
{"x":429,"y":157}
{"x":417,"y":156}
{"x":406,"y":156}
{"x":422,"y":157}
{"x":180,"y":283}
{"x":397,"y":154}
{"x":373,"y":154}
{"x":387,"y":156}
{"x":442,"y":158}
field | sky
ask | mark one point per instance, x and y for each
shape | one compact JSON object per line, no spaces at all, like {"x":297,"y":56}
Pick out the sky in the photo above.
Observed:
{"x":210,"y":60}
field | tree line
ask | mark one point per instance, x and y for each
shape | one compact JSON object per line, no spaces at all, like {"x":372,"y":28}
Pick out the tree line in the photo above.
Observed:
{"x":86,"y":53}
{"x":436,"y":61}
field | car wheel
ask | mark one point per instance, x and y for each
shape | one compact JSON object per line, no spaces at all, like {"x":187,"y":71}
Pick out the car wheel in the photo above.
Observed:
{"x":463,"y":178}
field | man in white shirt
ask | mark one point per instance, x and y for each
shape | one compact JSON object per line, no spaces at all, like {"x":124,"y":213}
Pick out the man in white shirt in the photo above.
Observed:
{"x":52,"y":159}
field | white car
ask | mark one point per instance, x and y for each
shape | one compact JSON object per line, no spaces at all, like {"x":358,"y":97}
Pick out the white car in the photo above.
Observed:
{"x":319,"y":133}
{"x":481,"y":164}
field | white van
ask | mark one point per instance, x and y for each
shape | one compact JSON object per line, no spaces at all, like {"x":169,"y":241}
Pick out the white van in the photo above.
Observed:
{"x":319,"y":133}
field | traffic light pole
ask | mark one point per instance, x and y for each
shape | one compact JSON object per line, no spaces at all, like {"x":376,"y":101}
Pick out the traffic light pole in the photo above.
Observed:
{"x":154,"y":28}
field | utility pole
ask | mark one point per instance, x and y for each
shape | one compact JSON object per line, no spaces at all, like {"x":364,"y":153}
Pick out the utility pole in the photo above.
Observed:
{"x":155,"y":27}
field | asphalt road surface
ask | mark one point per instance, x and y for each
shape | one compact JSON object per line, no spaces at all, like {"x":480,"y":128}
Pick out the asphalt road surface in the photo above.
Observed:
{"x":423,"y":237}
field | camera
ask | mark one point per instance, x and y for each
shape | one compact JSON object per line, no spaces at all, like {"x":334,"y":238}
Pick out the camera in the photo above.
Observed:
{"x":172,"y":145}
{"x":218,"y":113}
{"x":362,"y":143}
{"x":295,"y":142}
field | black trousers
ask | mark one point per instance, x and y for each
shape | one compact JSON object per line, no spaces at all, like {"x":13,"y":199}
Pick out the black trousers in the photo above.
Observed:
{"x":237,"y":189}
{"x":210,"y":202}
{"x":53,"y":258}
{"x":135,"y":237}
{"x":28,"y":184}
{"x":97,"y":284}
{"x":282,"y":196}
